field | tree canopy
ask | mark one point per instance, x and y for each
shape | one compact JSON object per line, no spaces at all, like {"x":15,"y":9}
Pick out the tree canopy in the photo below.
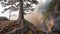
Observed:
{"x":14,"y":4}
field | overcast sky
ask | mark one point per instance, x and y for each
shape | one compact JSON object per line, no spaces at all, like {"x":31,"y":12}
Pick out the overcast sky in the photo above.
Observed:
{"x":6,"y":14}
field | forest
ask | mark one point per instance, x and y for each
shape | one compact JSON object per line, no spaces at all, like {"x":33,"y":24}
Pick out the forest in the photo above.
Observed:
{"x":34,"y":17}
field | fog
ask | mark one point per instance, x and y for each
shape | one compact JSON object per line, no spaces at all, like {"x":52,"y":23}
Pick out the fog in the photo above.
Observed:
{"x":36,"y":17}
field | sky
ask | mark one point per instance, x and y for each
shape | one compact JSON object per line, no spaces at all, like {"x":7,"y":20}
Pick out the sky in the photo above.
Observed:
{"x":6,"y":14}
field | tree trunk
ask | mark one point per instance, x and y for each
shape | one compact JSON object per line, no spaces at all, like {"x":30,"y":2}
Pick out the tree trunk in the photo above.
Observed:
{"x":21,"y":13}
{"x":10,"y":15}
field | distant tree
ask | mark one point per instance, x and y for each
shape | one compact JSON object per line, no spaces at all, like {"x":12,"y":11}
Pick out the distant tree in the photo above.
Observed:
{"x":14,"y":5}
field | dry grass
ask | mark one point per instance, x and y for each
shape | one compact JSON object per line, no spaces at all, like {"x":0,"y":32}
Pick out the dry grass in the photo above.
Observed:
{"x":3,"y":24}
{"x":31,"y":29}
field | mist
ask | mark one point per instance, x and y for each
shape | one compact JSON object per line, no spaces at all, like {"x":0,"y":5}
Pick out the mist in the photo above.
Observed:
{"x":36,"y":17}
